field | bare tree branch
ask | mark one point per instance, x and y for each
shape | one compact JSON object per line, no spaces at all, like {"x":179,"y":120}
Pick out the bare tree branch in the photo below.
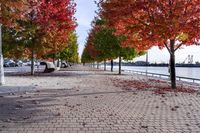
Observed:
{"x":178,"y":47}
{"x":167,"y":48}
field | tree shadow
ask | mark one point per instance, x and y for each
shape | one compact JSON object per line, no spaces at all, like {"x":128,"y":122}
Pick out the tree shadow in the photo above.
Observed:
{"x":64,"y":93}
{"x":53,"y":74}
{"x":12,"y":89}
{"x":25,"y":108}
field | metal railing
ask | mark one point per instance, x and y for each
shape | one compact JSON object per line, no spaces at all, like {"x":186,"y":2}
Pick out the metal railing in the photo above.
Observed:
{"x":179,"y":78}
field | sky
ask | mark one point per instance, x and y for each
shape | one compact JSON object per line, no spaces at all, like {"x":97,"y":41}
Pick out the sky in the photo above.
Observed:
{"x":85,"y":14}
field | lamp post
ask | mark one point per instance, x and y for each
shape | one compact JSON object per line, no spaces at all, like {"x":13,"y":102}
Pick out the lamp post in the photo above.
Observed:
{"x":2,"y":80}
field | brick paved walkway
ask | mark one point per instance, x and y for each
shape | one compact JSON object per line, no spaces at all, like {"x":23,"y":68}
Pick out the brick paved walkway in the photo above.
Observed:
{"x":93,"y":104}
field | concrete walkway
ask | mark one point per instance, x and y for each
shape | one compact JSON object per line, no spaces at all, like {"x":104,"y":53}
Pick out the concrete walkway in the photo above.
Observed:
{"x":84,"y":100}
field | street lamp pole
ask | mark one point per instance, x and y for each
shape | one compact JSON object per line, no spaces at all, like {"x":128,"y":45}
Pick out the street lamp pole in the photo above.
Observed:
{"x":2,"y":79}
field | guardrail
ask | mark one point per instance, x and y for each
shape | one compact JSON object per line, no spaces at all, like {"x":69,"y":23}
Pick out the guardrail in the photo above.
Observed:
{"x":179,"y":78}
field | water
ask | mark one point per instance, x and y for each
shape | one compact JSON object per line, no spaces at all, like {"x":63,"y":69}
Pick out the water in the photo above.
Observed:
{"x":191,"y":72}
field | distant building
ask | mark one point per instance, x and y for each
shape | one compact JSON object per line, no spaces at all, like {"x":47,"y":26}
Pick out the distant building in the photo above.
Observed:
{"x":141,"y":63}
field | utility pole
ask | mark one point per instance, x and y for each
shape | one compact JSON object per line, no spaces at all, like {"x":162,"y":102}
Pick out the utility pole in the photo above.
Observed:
{"x":2,"y":79}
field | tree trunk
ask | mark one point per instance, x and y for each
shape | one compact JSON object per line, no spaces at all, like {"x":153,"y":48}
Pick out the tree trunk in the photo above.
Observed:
{"x":61,"y":62}
{"x":54,"y":59}
{"x":97,"y":65}
{"x":105,"y":65}
{"x":2,"y":79}
{"x":147,"y":58}
{"x":111,"y":63}
{"x":32,"y":62}
{"x":120,"y":65}
{"x":58,"y":63}
{"x":172,"y":65}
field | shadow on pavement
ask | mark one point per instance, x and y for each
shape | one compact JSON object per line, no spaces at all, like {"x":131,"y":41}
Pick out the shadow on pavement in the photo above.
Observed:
{"x":13,"y":89}
{"x":25,"y":108}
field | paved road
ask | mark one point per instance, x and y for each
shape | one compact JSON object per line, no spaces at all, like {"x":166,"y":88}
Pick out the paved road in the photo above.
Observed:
{"x":93,"y":104}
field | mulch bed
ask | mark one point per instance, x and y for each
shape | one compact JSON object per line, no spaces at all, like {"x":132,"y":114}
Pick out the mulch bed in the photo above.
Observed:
{"x":158,"y":86}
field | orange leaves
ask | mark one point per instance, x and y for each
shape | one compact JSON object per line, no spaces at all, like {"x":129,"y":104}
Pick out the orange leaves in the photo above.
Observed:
{"x":154,"y":21}
{"x":56,"y":17}
{"x":44,"y":25}
{"x":59,"y":13}
{"x":10,"y":11}
{"x":91,"y":50}
{"x":54,"y":21}
{"x":90,"y":45}
{"x":158,"y":86}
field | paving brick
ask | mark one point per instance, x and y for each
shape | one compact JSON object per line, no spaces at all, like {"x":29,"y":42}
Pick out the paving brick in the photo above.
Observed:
{"x":99,"y":107}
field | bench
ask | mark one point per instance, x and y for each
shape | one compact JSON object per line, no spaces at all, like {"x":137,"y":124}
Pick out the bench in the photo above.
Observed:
{"x":50,"y":67}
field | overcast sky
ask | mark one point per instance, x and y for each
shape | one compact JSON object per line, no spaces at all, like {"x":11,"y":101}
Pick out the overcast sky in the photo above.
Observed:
{"x":85,"y":14}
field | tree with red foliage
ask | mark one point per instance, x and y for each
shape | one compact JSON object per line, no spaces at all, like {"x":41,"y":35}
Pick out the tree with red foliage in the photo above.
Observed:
{"x":56,"y":17}
{"x":90,"y":45}
{"x":10,"y":11}
{"x":162,"y":23}
{"x":56,"y":13}
{"x":54,"y":21}
{"x":89,"y":53}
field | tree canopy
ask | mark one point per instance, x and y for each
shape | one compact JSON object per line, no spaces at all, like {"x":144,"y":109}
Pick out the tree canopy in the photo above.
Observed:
{"x":43,"y":26}
{"x":148,"y":23}
{"x":103,"y":44}
{"x":70,"y":53}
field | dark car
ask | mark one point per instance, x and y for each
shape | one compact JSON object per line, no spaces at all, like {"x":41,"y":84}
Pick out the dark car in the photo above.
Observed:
{"x":18,"y":63}
{"x":6,"y":64}
{"x":9,"y":63}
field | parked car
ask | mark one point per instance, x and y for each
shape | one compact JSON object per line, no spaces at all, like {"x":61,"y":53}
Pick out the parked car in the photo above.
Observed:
{"x":18,"y":63}
{"x":9,"y":63}
{"x":6,"y":64}
{"x":35,"y":63}
{"x":28,"y":63}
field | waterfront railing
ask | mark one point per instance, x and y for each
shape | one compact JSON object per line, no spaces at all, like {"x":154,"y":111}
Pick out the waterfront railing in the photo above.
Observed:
{"x":165,"y":76}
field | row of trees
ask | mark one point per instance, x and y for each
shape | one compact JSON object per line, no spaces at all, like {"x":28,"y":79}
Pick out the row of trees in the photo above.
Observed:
{"x":102,"y":45}
{"x":39,"y":29}
{"x":147,"y":23}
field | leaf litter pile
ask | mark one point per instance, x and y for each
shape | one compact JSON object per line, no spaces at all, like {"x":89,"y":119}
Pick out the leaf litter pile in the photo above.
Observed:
{"x":158,"y":86}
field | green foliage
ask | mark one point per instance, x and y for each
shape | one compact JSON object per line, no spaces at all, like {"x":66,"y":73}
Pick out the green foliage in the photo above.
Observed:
{"x":86,"y":57}
{"x":108,"y":44}
{"x":70,"y":53}
{"x":12,"y":43}
{"x":38,"y":27}
{"x":16,"y":43}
